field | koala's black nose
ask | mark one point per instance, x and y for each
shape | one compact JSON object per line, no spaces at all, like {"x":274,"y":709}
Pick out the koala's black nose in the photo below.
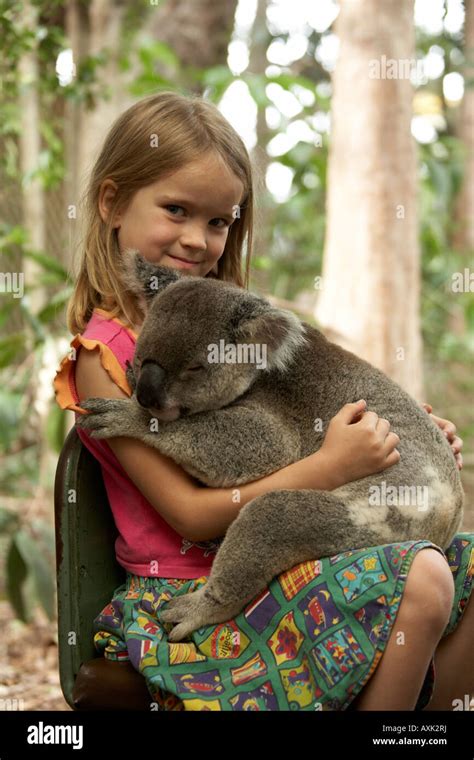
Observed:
{"x":150,"y":385}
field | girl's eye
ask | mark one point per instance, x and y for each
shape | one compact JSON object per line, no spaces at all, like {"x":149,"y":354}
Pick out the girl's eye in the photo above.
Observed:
{"x":226,"y":223}
{"x":172,"y":206}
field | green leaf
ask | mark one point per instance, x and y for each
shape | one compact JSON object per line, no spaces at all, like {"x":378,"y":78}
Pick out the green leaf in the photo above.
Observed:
{"x":16,"y":571}
{"x":8,"y":520}
{"x":56,"y":427}
{"x":48,"y":263}
{"x":10,"y":409}
{"x":11,"y":347}
{"x":56,"y":303}
{"x":34,"y":555}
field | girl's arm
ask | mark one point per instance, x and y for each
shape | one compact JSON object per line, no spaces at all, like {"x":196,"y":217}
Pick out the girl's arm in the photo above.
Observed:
{"x":194,"y":511}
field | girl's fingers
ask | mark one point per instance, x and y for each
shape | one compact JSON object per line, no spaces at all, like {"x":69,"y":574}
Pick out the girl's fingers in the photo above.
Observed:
{"x":448,"y":427}
{"x":449,"y":430}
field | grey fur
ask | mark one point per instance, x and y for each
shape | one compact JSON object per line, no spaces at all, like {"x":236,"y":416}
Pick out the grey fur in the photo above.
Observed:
{"x":238,"y":423}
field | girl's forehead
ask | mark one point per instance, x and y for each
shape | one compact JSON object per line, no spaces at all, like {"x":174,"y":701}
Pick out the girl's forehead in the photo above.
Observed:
{"x":211,"y":178}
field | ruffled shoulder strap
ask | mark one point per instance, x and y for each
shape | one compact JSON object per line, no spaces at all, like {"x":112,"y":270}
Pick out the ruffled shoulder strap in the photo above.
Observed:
{"x":116,"y":344}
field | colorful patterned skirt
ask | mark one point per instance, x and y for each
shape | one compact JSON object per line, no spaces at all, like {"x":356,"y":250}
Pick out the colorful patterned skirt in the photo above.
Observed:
{"x":310,"y":641}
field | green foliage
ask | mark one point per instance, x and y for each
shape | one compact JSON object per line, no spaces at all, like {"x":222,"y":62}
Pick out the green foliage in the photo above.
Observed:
{"x":29,"y":565}
{"x":13,"y":239}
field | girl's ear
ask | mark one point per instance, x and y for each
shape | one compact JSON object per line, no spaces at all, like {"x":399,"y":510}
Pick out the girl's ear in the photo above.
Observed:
{"x":144,"y":278}
{"x":278,"y":329}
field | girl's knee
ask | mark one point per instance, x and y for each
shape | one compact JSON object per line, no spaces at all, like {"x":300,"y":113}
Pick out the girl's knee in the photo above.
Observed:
{"x":429,"y":589}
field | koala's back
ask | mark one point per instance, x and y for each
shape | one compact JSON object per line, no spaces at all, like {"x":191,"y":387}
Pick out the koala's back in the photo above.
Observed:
{"x":321,"y":379}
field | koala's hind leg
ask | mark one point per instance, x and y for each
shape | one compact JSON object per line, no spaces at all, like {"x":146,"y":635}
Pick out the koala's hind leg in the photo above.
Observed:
{"x":272,"y":533}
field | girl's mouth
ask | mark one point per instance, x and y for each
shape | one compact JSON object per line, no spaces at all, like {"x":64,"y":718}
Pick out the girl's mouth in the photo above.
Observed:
{"x":183,"y":263}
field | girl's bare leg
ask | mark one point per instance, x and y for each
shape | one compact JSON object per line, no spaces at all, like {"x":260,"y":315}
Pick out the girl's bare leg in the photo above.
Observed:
{"x":454,"y":665}
{"x":422,"y":617}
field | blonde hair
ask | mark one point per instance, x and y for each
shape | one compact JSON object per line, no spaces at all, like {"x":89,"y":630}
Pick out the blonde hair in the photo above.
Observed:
{"x":188,"y":127}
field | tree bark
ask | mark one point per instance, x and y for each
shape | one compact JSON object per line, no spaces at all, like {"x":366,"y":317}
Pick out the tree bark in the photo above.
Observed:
{"x":91,"y":28}
{"x":30,"y":149}
{"x":197,"y":30}
{"x":463,"y":238}
{"x":369,"y":301}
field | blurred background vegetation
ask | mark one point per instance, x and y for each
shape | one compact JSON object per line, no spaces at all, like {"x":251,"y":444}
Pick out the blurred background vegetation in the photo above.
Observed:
{"x":69,"y":68}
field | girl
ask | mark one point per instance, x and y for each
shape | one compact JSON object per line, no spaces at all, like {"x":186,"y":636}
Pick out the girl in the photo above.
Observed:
{"x":174,"y":180}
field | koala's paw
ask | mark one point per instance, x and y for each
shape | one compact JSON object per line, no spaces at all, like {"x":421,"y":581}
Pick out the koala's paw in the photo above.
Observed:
{"x":107,"y":417}
{"x":193,"y":611}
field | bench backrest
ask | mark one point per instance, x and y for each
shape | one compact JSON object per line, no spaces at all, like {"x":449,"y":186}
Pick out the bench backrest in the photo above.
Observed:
{"x":87,"y":571}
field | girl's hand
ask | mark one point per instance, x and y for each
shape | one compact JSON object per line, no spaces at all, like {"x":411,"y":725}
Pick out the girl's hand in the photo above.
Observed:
{"x":449,"y":429}
{"x":358,"y":443}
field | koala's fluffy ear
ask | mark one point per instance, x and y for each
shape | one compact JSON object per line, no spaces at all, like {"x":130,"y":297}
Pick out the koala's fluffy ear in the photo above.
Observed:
{"x":144,"y":278}
{"x":280,"y":330}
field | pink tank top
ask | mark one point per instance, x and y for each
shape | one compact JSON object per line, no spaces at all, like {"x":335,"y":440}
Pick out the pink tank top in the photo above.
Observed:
{"x":146,"y":544}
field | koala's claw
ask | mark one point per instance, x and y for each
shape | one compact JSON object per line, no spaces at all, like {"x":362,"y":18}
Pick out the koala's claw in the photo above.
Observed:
{"x":105,"y":418}
{"x":192,"y":611}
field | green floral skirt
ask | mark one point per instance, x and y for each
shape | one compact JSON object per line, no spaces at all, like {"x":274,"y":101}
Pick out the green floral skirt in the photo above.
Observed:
{"x":310,"y":641}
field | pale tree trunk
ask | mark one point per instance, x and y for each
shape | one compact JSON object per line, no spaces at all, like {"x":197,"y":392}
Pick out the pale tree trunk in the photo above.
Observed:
{"x":463,"y":238}
{"x":464,"y":214}
{"x":30,"y":148}
{"x":92,"y":28}
{"x":260,"y":39}
{"x":369,"y":300}
{"x":463,"y":229}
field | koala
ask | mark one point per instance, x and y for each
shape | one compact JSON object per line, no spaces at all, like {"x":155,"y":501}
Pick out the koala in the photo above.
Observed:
{"x":228,"y":419}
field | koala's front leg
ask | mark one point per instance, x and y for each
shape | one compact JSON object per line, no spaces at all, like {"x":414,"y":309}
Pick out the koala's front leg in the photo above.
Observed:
{"x":226,"y":447}
{"x":113,"y":417}
{"x":229,"y":446}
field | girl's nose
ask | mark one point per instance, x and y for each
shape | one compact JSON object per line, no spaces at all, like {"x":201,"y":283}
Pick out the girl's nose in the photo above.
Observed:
{"x":150,"y":390}
{"x":193,"y":236}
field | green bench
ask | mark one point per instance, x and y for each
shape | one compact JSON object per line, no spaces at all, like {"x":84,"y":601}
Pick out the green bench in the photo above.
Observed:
{"x":87,"y":575}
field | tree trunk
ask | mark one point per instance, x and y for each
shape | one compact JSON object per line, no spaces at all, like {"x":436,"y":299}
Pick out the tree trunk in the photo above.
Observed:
{"x":30,"y":149}
{"x":266,"y":210}
{"x":91,"y":29}
{"x":369,"y":301}
{"x":197,"y":30}
{"x":463,"y":229}
{"x":463,"y":238}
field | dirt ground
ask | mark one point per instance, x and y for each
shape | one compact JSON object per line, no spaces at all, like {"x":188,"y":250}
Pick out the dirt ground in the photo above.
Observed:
{"x":29,"y":672}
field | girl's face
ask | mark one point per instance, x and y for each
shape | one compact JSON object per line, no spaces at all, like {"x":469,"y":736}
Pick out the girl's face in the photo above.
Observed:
{"x":182,"y":220}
